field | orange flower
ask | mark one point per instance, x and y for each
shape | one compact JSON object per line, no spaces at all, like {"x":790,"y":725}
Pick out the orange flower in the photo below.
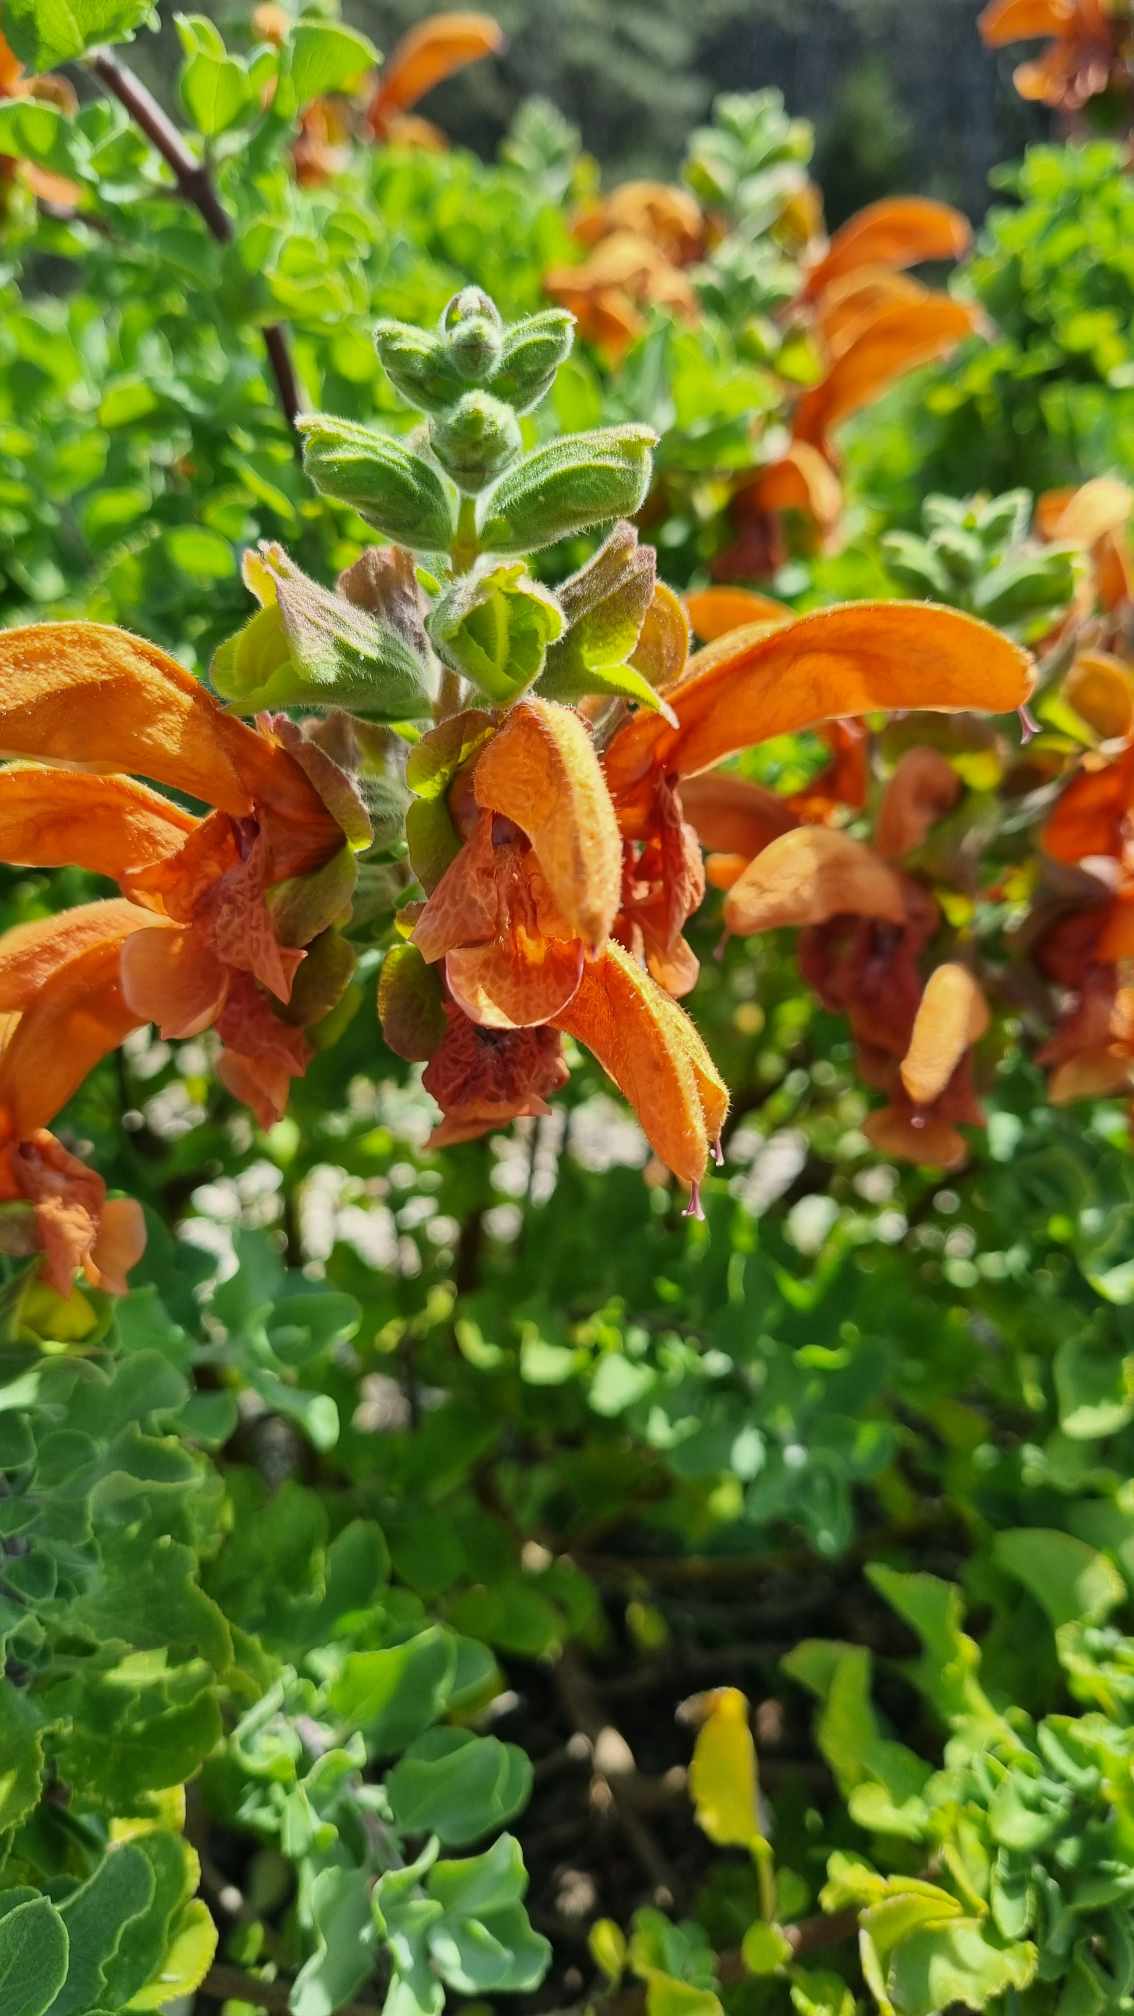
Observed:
{"x":1089,"y":52}
{"x":220,"y":909}
{"x":520,"y":923}
{"x":424,"y":58}
{"x":51,"y":90}
{"x":1095,"y":517}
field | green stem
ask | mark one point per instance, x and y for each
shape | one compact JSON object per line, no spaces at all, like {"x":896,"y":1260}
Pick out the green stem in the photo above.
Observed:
{"x":466,"y":545}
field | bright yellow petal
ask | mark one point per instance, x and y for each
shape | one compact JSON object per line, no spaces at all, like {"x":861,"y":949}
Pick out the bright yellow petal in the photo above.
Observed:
{"x":845,"y":661}
{"x":810,"y":876}
{"x":540,"y":770}
{"x":951,"y":1017}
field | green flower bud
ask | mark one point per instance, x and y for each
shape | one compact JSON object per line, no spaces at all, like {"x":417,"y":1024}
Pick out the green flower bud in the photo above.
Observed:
{"x":308,"y":647}
{"x":476,"y":440}
{"x":418,"y":365}
{"x":475,"y":334}
{"x":321,"y":981}
{"x":915,"y":565}
{"x":567,"y":486}
{"x":306,"y":905}
{"x":533,"y":351}
{"x":606,"y":604}
{"x":395,"y":490}
{"x":494,"y":625}
{"x":1004,"y":520}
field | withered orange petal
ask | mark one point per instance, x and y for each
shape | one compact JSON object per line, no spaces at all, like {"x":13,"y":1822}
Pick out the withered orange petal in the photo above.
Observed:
{"x":517,"y":982}
{"x":429,"y":53}
{"x":1089,"y":817}
{"x":541,"y":771}
{"x":32,"y":955}
{"x":809,"y":876}
{"x":926,"y":1139}
{"x":119,"y":1245}
{"x":898,"y":231}
{"x":95,"y":698}
{"x":1006,"y":21}
{"x":465,"y":907}
{"x":952,"y":1015}
{"x":69,"y":1027}
{"x":901,"y":337}
{"x":713,"y":612}
{"x":655,"y":1057}
{"x":110,"y":825}
{"x":854,"y":301}
{"x":923,"y":788}
{"x":848,"y":660}
{"x":172,"y":978}
{"x":732,"y":815}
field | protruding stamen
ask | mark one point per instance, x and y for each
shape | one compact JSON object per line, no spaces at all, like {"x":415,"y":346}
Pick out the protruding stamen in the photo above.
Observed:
{"x":718,"y":1152}
{"x":1029,"y":726}
{"x":694,"y":1208}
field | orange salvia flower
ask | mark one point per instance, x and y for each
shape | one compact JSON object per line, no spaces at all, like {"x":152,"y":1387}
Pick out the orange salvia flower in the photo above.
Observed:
{"x":425,"y":57}
{"x":923,"y":788}
{"x":898,"y":231}
{"x":1087,"y":54}
{"x":951,"y":1017}
{"x":713,"y":612}
{"x":809,"y":876}
{"x":902,"y":336}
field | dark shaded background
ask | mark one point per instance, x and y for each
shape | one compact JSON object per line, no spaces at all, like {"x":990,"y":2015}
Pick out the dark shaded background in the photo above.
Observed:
{"x":903,"y":93}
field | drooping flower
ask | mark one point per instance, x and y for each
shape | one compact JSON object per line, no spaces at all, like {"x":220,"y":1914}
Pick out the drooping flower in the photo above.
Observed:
{"x":773,"y":678}
{"x":44,"y":183}
{"x":221,"y":910}
{"x":518,"y":921}
{"x":424,"y":57}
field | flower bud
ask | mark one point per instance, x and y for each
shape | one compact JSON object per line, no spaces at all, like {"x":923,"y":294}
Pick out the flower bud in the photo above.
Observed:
{"x":396,"y":491}
{"x":533,"y":351}
{"x":418,"y":365}
{"x":475,"y":333}
{"x":309,"y":647}
{"x":567,"y":486}
{"x":476,"y":440}
{"x":494,"y":625}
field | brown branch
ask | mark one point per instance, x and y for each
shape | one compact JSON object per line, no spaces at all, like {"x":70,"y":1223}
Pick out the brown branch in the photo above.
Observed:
{"x":196,"y":186}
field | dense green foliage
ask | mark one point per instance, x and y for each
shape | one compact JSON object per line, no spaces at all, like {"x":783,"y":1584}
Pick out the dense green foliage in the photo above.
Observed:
{"x":369,"y":1566}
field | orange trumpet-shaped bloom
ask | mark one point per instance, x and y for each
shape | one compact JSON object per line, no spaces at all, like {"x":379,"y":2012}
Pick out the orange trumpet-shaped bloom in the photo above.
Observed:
{"x":50,"y":90}
{"x":1087,"y":53}
{"x":426,"y":55}
{"x":1097,"y":517}
{"x":898,"y":231}
{"x":522,"y":921}
{"x":198,"y":944}
{"x":773,"y":678}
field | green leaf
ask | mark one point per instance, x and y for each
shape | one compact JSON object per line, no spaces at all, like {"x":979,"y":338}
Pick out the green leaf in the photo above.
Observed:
{"x":327,"y":56}
{"x":457,"y":1785}
{"x":941,"y":1966}
{"x":46,"y":32}
{"x":97,"y":1917}
{"x":764,"y":1948}
{"x":1069,"y":1580}
{"x":33,"y":1958}
{"x":34,"y":131}
{"x":394,"y":1695}
{"x":21,"y":1756}
{"x":344,"y":1932}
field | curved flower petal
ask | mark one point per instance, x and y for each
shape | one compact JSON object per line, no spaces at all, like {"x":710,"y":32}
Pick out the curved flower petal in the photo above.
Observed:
{"x":655,"y":1057}
{"x":32,"y":955}
{"x":111,"y":825}
{"x":95,"y":698}
{"x":847,"y":660}
{"x":171,"y":977}
{"x":713,"y":612}
{"x":70,"y":1026}
{"x":119,"y":1245}
{"x":951,"y":1017}
{"x":465,"y":907}
{"x":430,"y":52}
{"x":1085,"y":515}
{"x":541,"y":771}
{"x":801,"y":480}
{"x":899,"y":339}
{"x":1100,"y":688}
{"x":731,"y":815}
{"x":1006,"y":21}
{"x":923,"y":788}
{"x":517,"y":982}
{"x":810,"y":876}
{"x":898,"y":231}
{"x":926,"y":1139}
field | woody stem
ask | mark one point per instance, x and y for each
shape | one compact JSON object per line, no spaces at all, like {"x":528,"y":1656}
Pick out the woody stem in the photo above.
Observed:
{"x":196,"y":186}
